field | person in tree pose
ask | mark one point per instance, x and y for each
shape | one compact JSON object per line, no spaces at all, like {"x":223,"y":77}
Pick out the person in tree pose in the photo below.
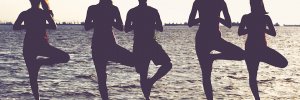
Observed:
{"x":144,"y":20}
{"x":36,"y":42}
{"x":208,"y":38}
{"x":254,"y":24}
{"x":102,"y":17}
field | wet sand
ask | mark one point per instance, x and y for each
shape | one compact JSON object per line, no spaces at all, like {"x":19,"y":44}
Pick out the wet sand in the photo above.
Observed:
{"x":77,"y":79}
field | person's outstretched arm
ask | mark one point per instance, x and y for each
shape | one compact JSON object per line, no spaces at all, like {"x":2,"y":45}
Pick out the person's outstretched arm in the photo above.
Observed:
{"x":242,"y":27}
{"x":192,"y":21}
{"x":118,"y":24}
{"x":227,"y":21}
{"x":88,"y":24}
{"x":158,"y":23}
{"x":128,"y":22}
{"x":271,"y":31}
{"x":18,"y":24}
{"x":51,"y":22}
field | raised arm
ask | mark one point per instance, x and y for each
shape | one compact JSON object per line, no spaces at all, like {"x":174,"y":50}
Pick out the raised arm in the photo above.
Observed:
{"x":18,"y":24}
{"x":128,"y":22}
{"x":271,"y":31}
{"x":158,"y":23}
{"x":51,"y":22}
{"x":118,"y":24}
{"x":227,"y":21}
{"x":242,"y":27}
{"x":88,"y":24}
{"x":192,"y":21}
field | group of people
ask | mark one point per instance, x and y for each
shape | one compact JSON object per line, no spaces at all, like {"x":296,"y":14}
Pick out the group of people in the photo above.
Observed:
{"x":144,"y":20}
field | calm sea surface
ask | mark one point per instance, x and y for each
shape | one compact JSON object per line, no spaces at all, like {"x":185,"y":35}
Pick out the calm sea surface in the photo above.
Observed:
{"x":77,"y":79}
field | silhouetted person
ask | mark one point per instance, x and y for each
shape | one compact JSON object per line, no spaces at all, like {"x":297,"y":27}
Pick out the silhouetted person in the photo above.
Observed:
{"x":144,"y":20}
{"x":36,"y":42}
{"x":102,"y":17}
{"x":254,"y":24}
{"x":208,"y":38}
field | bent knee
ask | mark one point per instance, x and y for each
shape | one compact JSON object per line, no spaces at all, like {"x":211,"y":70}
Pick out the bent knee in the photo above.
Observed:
{"x":240,"y":54}
{"x":168,"y":65}
{"x":283,"y":64}
{"x":65,"y":58}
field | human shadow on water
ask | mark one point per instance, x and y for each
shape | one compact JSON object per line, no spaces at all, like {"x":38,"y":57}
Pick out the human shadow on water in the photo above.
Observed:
{"x":144,"y":20}
{"x":36,"y":42}
{"x":102,"y":17}
{"x":208,"y":38}
{"x":254,"y":24}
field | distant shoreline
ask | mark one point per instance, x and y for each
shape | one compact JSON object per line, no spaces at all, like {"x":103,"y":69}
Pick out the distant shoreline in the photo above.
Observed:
{"x":163,"y":25}
{"x":291,"y":25}
{"x":56,"y":24}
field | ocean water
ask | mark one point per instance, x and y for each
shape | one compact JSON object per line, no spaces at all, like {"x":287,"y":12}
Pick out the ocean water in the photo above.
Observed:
{"x":76,"y":80}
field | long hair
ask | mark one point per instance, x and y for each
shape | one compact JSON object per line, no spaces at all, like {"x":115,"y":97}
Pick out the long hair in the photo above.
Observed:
{"x":257,"y":6}
{"x":45,"y":4}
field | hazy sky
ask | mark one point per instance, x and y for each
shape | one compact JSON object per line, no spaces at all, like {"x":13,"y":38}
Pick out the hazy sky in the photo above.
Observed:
{"x":282,"y":11}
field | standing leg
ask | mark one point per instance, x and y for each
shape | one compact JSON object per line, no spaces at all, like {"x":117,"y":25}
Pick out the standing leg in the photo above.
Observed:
{"x":206,"y":68}
{"x":142,"y":68}
{"x":33,"y":70}
{"x":54,"y":56}
{"x":252,"y":66}
{"x":100,"y":65}
{"x":274,"y":58}
{"x":206,"y":63}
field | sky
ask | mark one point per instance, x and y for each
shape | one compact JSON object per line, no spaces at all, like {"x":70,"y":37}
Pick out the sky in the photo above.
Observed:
{"x":171,"y":11}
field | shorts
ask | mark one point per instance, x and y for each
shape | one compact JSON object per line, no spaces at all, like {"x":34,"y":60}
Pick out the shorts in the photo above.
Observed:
{"x":151,"y":51}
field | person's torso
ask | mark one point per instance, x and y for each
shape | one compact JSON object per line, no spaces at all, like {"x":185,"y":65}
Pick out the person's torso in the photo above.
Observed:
{"x":209,"y":14}
{"x":103,"y":18}
{"x":35,"y":25}
{"x":256,"y":28}
{"x":144,"y":18}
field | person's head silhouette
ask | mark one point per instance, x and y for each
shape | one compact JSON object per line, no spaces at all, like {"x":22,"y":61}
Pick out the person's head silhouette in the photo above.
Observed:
{"x":107,"y":2}
{"x":35,"y":3}
{"x":257,"y":7}
{"x":142,"y":1}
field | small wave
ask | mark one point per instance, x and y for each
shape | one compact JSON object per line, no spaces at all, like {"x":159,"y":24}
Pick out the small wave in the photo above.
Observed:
{"x":85,"y":93}
{"x":191,"y":81}
{"x":238,"y":78}
{"x":229,"y":88}
{"x":267,"y":80}
{"x":84,"y":76}
{"x":290,"y":80}
{"x":127,"y":86}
